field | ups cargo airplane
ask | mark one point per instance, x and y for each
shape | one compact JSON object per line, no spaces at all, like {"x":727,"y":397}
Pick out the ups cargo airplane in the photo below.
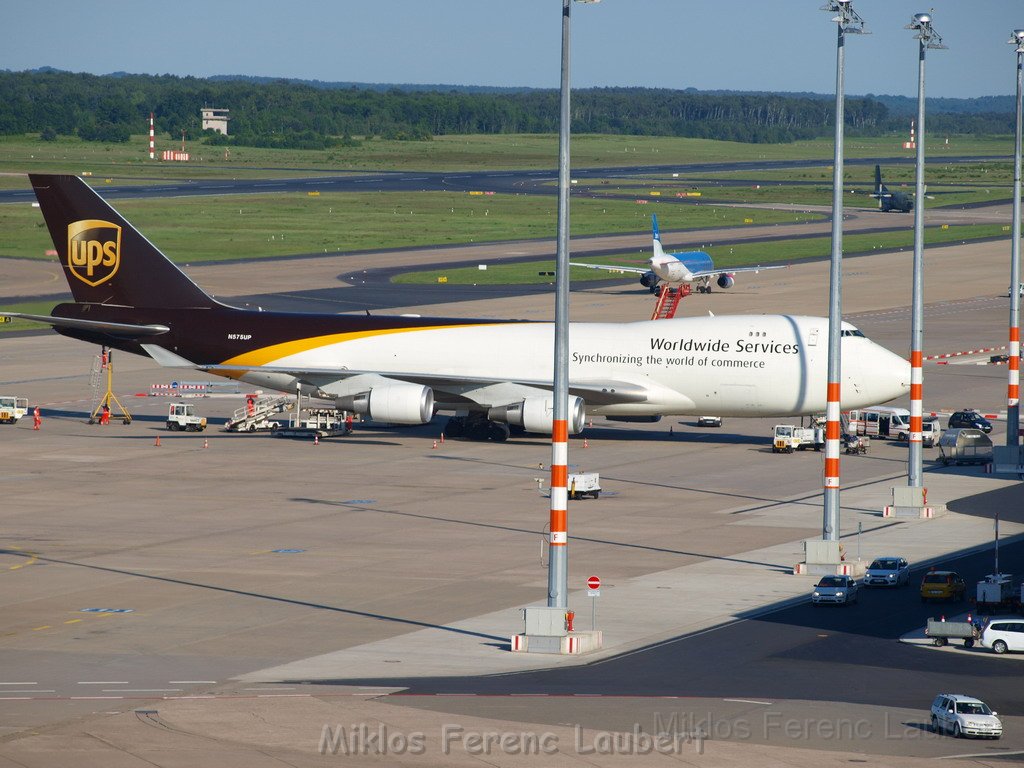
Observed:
{"x":491,"y":374}
{"x":675,"y":268}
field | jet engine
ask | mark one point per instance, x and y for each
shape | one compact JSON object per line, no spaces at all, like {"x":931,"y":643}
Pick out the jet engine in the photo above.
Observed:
{"x":394,"y":403}
{"x":534,"y":414}
{"x":649,"y":280}
{"x":726,"y":281}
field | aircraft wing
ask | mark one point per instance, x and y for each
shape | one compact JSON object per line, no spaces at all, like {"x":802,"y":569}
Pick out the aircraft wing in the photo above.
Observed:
{"x":596,"y":392}
{"x":117,"y":329}
{"x":611,"y":268}
{"x":735,"y":270}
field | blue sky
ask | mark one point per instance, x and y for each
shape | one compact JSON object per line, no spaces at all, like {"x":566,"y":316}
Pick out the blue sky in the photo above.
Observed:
{"x":772,"y":45}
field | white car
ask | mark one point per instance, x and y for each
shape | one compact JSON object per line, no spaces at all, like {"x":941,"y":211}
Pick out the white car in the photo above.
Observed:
{"x":887,"y":572}
{"x":840,"y":590}
{"x":1002,"y":636}
{"x":964,"y":716}
{"x":709,"y":421}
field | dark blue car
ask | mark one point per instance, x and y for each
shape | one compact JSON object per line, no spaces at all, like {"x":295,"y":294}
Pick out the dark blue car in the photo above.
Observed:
{"x":970,"y":419}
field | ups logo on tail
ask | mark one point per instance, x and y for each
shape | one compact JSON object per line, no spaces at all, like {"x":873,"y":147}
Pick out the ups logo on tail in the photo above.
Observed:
{"x":94,"y":250}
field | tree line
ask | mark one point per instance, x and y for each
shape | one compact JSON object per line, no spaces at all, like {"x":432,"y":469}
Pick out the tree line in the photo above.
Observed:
{"x":298,"y":115}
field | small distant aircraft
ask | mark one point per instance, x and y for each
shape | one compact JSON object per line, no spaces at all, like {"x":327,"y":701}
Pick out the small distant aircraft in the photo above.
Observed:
{"x":890,"y":201}
{"x":675,"y":268}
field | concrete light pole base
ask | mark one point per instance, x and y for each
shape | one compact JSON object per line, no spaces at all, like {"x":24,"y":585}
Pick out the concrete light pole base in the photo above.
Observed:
{"x":1007,"y":459}
{"x":547,"y":631}
{"x":910,"y":501}
{"x":827,"y":558}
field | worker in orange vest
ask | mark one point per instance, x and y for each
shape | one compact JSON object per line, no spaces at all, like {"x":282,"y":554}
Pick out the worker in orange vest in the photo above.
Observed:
{"x":105,"y":415}
{"x":37,"y":420}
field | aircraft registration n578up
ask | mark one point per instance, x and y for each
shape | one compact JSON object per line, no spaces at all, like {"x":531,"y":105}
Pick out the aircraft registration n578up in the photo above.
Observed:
{"x":490,"y":374}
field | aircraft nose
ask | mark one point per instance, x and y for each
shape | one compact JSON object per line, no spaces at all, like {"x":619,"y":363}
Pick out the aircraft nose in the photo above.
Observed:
{"x":875,"y":374}
{"x":889,"y":374}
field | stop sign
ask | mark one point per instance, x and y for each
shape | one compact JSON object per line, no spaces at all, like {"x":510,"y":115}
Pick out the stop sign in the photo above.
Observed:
{"x":593,"y":583}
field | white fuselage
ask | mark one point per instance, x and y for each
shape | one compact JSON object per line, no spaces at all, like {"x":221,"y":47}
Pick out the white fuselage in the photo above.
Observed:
{"x":742,"y":365}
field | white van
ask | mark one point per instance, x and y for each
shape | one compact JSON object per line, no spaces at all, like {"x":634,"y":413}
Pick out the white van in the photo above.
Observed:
{"x":880,"y":421}
{"x":1002,"y":636}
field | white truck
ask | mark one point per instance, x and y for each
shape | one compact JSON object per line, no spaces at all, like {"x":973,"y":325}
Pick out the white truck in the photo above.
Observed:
{"x":182,"y":416}
{"x":12,"y":409}
{"x":995,"y":593}
{"x":788,"y":438}
{"x":583,"y":484}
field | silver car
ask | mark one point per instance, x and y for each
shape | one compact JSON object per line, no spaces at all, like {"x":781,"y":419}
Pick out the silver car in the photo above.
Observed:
{"x":838,"y":590}
{"x":964,"y":716}
{"x":887,"y":572}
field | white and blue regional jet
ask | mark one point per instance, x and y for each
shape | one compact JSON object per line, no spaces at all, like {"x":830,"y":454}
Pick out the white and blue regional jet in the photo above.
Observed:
{"x":677,"y":268}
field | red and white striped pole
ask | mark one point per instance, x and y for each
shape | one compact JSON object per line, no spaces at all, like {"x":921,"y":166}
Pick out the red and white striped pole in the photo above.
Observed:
{"x":152,"y":137}
{"x":559,"y":483}
{"x":832,"y":435}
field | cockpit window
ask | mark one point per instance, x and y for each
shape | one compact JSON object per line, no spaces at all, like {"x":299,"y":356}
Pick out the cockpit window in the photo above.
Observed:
{"x":853,"y":332}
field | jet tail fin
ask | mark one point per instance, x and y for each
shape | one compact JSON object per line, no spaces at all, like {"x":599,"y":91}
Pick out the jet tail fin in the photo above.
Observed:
{"x":659,"y":252}
{"x":105,"y":259}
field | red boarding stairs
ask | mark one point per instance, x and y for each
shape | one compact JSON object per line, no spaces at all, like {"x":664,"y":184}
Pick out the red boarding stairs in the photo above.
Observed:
{"x":668,"y":301}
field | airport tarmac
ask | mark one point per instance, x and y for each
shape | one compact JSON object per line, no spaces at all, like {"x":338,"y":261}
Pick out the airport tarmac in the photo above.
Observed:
{"x":157,"y":595}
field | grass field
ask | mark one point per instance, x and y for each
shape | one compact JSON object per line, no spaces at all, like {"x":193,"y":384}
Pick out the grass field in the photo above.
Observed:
{"x":29,"y":308}
{"x":191,"y":230}
{"x":21,"y":154}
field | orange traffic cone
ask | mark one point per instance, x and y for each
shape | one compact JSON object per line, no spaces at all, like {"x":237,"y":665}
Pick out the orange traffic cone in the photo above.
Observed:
{"x":442,"y":438}
{"x":157,"y":443}
{"x":206,"y":442}
{"x":316,"y":439}
{"x":434,"y":445}
{"x":586,"y":443}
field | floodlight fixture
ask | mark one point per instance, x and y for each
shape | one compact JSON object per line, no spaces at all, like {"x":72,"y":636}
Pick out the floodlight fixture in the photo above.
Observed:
{"x":922,"y":23}
{"x":848,"y":19}
{"x":1017,"y":38}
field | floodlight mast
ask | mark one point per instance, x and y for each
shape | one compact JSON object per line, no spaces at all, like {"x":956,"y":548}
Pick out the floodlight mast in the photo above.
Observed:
{"x":1013,"y":360}
{"x":847,"y":21}
{"x":558,"y":537}
{"x":927,"y":38}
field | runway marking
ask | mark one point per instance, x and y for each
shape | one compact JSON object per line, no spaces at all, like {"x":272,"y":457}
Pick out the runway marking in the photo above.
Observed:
{"x":37,"y":629}
{"x":102,"y":682}
{"x":140,"y":690}
{"x":33,"y":690}
{"x":15,"y":698}
{"x":268,"y":689}
{"x":192,"y":682}
{"x":90,"y":698}
{"x":282,"y":695}
{"x":32,"y":559}
{"x":750,"y":701}
{"x":983,"y":754}
{"x":72,"y":621}
{"x":19,"y":683}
